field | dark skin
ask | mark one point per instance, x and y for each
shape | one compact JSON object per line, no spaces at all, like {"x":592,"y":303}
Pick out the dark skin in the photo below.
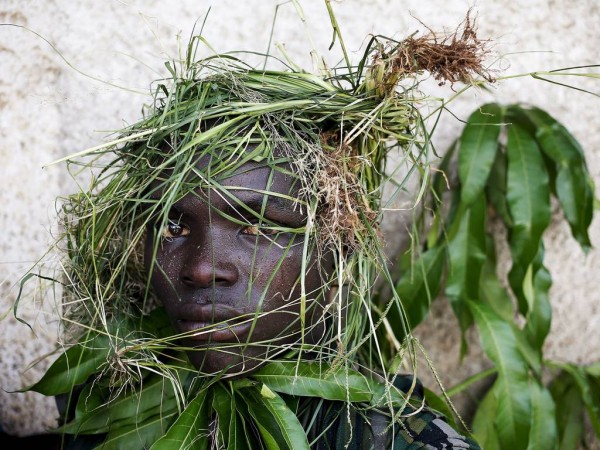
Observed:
{"x":230,"y":282}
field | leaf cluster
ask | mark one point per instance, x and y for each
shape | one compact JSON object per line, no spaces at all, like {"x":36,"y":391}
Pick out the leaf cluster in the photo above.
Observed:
{"x":511,"y":160}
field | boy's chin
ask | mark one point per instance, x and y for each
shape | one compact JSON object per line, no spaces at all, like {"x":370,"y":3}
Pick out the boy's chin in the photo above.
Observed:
{"x":226,"y":363}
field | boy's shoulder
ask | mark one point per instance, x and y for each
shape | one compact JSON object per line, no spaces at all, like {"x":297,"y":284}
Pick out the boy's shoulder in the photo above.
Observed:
{"x":348,"y":427}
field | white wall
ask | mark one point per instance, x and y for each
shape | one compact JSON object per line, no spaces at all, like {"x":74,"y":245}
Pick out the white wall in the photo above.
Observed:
{"x":52,"y":104}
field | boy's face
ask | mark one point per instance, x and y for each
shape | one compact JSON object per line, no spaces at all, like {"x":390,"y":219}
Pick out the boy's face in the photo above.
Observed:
{"x":231,"y":283}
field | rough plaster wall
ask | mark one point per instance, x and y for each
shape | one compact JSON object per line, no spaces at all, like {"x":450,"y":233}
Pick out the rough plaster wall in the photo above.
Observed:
{"x":50,"y":109}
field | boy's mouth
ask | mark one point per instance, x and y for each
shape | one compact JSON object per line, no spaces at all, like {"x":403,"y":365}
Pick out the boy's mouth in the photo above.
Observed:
{"x":213,"y":323}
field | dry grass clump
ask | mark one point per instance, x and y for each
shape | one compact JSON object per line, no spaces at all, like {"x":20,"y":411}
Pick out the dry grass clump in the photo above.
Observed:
{"x":344,"y":211}
{"x":454,"y":57}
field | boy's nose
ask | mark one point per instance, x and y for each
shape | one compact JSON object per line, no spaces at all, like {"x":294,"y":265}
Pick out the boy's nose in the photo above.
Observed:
{"x":208,"y":265}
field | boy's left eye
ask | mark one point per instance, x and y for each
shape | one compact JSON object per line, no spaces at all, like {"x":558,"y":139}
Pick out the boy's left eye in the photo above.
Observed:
{"x":257,"y":230}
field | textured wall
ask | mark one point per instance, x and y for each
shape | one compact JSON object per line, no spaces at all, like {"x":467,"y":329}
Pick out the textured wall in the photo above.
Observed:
{"x":54,"y":102}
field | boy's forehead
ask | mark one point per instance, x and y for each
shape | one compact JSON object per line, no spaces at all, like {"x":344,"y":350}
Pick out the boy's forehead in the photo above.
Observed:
{"x":210,"y":174}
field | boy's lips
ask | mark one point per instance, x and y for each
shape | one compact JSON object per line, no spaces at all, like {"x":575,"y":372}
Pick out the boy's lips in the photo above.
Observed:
{"x":213,"y":323}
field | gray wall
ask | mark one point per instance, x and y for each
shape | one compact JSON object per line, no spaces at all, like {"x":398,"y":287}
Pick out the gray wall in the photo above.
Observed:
{"x":53,"y":103}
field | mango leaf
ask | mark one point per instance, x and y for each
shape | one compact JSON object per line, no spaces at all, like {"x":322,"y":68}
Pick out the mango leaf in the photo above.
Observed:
{"x":467,"y":254}
{"x":74,"y":365}
{"x":477,"y":150}
{"x":315,"y":380}
{"x":496,"y":187}
{"x":96,"y":412}
{"x":223,"y":403}
{"x":491,"y":290}
{"x":530,"y":354}
{"x":591,"y":398}
{"x":139,"y":436}
{"x":418,"y":286}
{"x":231,"y":430}
{"x":593,"y":370}
{"x":278,"y":425}
{"x":544,"y":433}
{"x":569,"y":412}
{"x":483,"y":427}
{"x":539,"y":314}
{"x":190,"y":430}
{"x":528,"y":198}
{"x":574,"y":186}
{"x":511,"y":388}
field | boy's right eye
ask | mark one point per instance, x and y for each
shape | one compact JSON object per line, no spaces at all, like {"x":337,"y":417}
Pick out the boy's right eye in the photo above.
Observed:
{"x":174,"y":229}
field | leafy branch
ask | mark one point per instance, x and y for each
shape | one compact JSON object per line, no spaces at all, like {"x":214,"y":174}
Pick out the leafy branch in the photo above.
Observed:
{"x":511,"y":160}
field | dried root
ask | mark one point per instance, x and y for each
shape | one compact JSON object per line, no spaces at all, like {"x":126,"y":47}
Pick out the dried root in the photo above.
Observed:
{"x":455,"y":57}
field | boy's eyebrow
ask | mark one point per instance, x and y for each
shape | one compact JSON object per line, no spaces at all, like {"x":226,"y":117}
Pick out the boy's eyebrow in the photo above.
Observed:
{"x":257,"y":201}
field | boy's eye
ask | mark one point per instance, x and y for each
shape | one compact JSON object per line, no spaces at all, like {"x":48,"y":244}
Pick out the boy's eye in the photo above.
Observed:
{"x":174,"y":229}
{"x":257,"y":230}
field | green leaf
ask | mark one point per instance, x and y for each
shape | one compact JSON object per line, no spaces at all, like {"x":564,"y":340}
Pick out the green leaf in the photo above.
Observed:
{"x":593,"y":370}
{"x":483,"y":426}
{"x":590,"y":396}
{"x":418,"y":286}
{"x":574,"y":186}
{"x":529,"y":203}
{"x":477,"y":150}
{"x":569,"y":411}
{"x":511,"y":388}
{"x":139,"y":436}
{"x":491,"y":290}
{"x":223,"y":404}
{"x":96,"y":412}
{"x":467,"y":254}
{"x":496,"y":187}
{"x":75,"y":365}
{"x":231,"y":430}
{"x":544,"y":433}
{"x":539,"y":314}
{"x":190,"y":430}
{"x":315,"y":380}
{"x":277,"y":424}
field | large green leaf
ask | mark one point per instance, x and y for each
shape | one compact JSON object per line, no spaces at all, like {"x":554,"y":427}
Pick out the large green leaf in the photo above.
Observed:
{"x":511,"y":388}
{"x":590,"y":393}
{"x":496,"y":187}
{"x":190,"y":430}
{"x":536,"y":285}
{"x":528,"y":201}
{"x":231,"y":429}
{"x":483,"y":426}
{"x":94,"y":349}
{"x":139,"y":436}
{"x":315,"y":380}
{"x":418,"y":286}
{"x":277,"y":424}
{"x":467,"y":254}
{"x":96,"y":412}
{"x":477,"y":150}
{"x":574,"y":186}
{"x":544,"y":433}
{"x":569,"y":411}
{"x":491,"y":290}
{"x":75,"y":365}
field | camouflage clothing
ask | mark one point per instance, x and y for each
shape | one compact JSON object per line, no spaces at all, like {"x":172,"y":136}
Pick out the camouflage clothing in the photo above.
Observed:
{"x":341,"y":428}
